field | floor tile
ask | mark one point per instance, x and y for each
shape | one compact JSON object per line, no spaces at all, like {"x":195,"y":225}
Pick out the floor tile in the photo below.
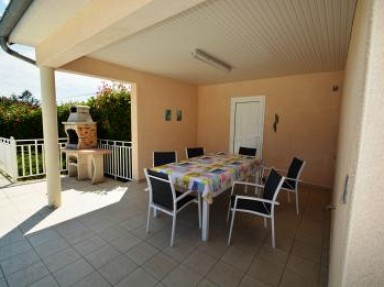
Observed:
{"x":141,"y":252}
{"x":47,"y":281}
{"x":138,"y":278}
{"x":224,"y":274}
{"x":14,"y":248}
{"x":89,"y":245}
{"x":159,"y":265}
{"x":241,"y":259}
{"x":251,"y":282}
{"x":73,"y":272}
{"x":206,"y":283}
{"x":3,"y":283}
{"x":200,"y":262}
{"x":102,"y":256}
{"x":266,"y":272}
{"x":40,"y":237}
{"x":291,"y":279}
{"x":182,"y":276}
{"x":50,"y":247}
{"x":27,"y":275}
{"x":60,"y":259}
{"x":92,"y":280}
{"x":125,"y":242}
{"x":307,"y":269}
{"x":19,"y":261}
{"x":117,"y":269}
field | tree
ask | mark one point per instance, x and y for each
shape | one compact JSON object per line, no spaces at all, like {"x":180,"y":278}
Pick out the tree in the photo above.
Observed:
{"x":26,"y":97}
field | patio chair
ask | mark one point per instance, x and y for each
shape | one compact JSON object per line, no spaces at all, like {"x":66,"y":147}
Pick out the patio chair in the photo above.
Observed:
{"x":165,"y":198}
{"x":163,"y":157}
{"x":264,"y":206}
{"x":292,"y":179}
{"x":249,"y":151}
{"x":193,"y":152}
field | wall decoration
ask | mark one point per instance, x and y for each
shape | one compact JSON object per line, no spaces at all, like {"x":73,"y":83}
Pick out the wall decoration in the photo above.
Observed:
{"x":168,"y":115}
{"x":179,"y":115}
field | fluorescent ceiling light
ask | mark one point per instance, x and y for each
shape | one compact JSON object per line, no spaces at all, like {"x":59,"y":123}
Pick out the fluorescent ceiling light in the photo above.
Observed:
{"x":211,"y":60}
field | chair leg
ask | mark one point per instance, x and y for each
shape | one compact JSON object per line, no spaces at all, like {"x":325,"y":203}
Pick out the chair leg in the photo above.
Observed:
{"x":199,"y":208}
{"x":297,"y":202}
{"x":149,"y":218}
{"x":230,"y":229}
{"x":173,"y":229}
{"x":273,"y":232}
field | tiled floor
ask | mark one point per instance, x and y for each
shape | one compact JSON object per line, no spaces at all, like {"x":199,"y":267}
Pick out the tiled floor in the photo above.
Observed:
{"x":98,"y":238}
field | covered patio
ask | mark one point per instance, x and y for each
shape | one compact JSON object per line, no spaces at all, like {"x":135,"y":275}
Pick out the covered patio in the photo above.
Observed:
{"x":98,"y":238}
{"x":319,"y":67}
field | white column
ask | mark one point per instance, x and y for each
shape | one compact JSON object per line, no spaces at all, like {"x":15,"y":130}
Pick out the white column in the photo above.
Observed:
{"x":49,"y":109}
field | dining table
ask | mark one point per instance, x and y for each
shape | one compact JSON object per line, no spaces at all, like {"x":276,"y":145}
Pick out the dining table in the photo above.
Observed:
{"x":209,"y":175}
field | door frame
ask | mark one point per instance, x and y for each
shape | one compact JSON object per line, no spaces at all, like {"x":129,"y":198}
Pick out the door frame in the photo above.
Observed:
{"x":234,"y":101}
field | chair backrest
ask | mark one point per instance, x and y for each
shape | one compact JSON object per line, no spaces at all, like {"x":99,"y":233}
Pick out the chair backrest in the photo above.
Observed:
{"x":161,"y":189}
{"x":294,"y":171}
{"x":164,"y":157}
{"x":194,"y":151}
{"x":250,"y":151}
{"x":272,"y":185}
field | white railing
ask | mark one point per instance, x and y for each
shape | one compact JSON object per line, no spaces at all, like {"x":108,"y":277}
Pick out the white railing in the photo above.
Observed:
{"x":25,"y":158}
{"x":119,"y":163}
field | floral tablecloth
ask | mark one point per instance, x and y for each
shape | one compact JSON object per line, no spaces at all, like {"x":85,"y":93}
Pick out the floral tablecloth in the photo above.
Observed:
{"x":209,"y":174}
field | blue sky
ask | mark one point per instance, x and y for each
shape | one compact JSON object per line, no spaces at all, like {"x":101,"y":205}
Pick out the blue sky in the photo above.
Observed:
{"x":17,"y":76}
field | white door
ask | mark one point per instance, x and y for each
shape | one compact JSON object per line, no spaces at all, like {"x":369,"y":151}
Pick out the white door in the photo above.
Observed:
{"x":247,"y":124}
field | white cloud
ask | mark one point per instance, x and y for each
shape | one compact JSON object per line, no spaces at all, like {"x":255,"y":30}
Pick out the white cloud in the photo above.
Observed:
{"x":6,"y":2}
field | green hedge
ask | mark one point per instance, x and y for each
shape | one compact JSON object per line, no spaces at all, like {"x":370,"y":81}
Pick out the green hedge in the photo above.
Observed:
{"x":110,"y":108}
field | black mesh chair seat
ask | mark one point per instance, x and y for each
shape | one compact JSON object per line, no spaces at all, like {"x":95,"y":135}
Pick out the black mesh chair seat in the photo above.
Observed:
{"x":165,"y":198}
{"x":250,"y":205}
{"x":289,"y":184}
{"x":249,"y":151}
{"x":164,"y":157}
{"x":194,"y":152}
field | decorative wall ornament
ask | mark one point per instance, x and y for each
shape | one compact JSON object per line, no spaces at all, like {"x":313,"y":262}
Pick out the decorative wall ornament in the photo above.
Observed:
{"x":168,"y":115}
{"x":179,"y":115}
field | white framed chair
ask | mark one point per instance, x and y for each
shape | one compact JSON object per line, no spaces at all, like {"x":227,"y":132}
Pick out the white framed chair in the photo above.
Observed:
{"x":163,"y":157}
{"x":292,"y":179}
{"x":193,"y":152}
{"x":261,"y":206}
{"x":163,"y":197}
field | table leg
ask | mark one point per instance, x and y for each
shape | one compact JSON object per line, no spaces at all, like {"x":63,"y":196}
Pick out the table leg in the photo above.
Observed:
{"x":205,"y":227}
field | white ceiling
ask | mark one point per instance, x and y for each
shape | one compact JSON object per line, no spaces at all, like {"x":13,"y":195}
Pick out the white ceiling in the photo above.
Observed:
{"x":258,"y":38}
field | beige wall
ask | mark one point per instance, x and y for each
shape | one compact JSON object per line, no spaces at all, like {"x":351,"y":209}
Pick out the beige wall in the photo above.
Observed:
{"x":357,"y":228}
{"x":308,"y":126}
{"x":151,"y":96}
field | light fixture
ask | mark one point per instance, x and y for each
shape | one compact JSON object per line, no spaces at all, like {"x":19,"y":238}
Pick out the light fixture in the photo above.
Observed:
{"x":211,"y":60}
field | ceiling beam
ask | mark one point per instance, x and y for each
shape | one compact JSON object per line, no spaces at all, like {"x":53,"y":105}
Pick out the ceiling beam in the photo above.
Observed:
{"x":102,"y":23}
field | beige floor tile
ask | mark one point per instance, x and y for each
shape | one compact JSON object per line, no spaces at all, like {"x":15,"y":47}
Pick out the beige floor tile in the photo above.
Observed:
{"x":182,"y":276}
{"x":251,"y":282}
{"x":111,"y":233}
{"x":60,"y":259}
{"x":92,"y":280}
{"x":19,"y":261}
{"x":224,"y":274}
{"x":27,"y":275}
{"x":102,"y":256}
{"x":266,"y":272}
{"x":47,"y":281}
{"x":200,"y":262}
{"x":293,"y":280}
{"x":117,"y":269}
{"x":206,"y":283}
{"x":238,"y":258}
{"x":273,"y":255}
{"x":73,"y":272}
{"x":89,"y":245}
{"x":159,"y":265}
{"x":125,"y":242}
{"x":309,"y":270}
{"x":141,"y":252}
{"x":138,"y":278}
{"x":306,"y":251}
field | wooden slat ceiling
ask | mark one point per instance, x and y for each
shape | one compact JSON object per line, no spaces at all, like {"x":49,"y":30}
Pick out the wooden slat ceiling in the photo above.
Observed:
{"x":258,"y":38}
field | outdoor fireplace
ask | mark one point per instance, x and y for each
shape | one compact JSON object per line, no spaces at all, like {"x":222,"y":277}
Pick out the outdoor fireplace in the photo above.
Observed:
{"x":84,"y":159}
{"x":80,"y":129}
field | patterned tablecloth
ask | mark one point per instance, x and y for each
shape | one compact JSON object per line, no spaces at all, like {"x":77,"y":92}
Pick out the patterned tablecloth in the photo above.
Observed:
{"x":209,"y":174}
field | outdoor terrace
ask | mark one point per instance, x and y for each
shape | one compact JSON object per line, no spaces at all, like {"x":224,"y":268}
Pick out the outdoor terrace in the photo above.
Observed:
{"x":97,"y":238}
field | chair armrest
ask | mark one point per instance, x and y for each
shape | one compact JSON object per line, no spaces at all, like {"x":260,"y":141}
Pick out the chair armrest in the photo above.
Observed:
{"x":256,"y":199}
{"x":247,"y":183}
{"x":293,"y":179}
{"x":184,"y":195}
